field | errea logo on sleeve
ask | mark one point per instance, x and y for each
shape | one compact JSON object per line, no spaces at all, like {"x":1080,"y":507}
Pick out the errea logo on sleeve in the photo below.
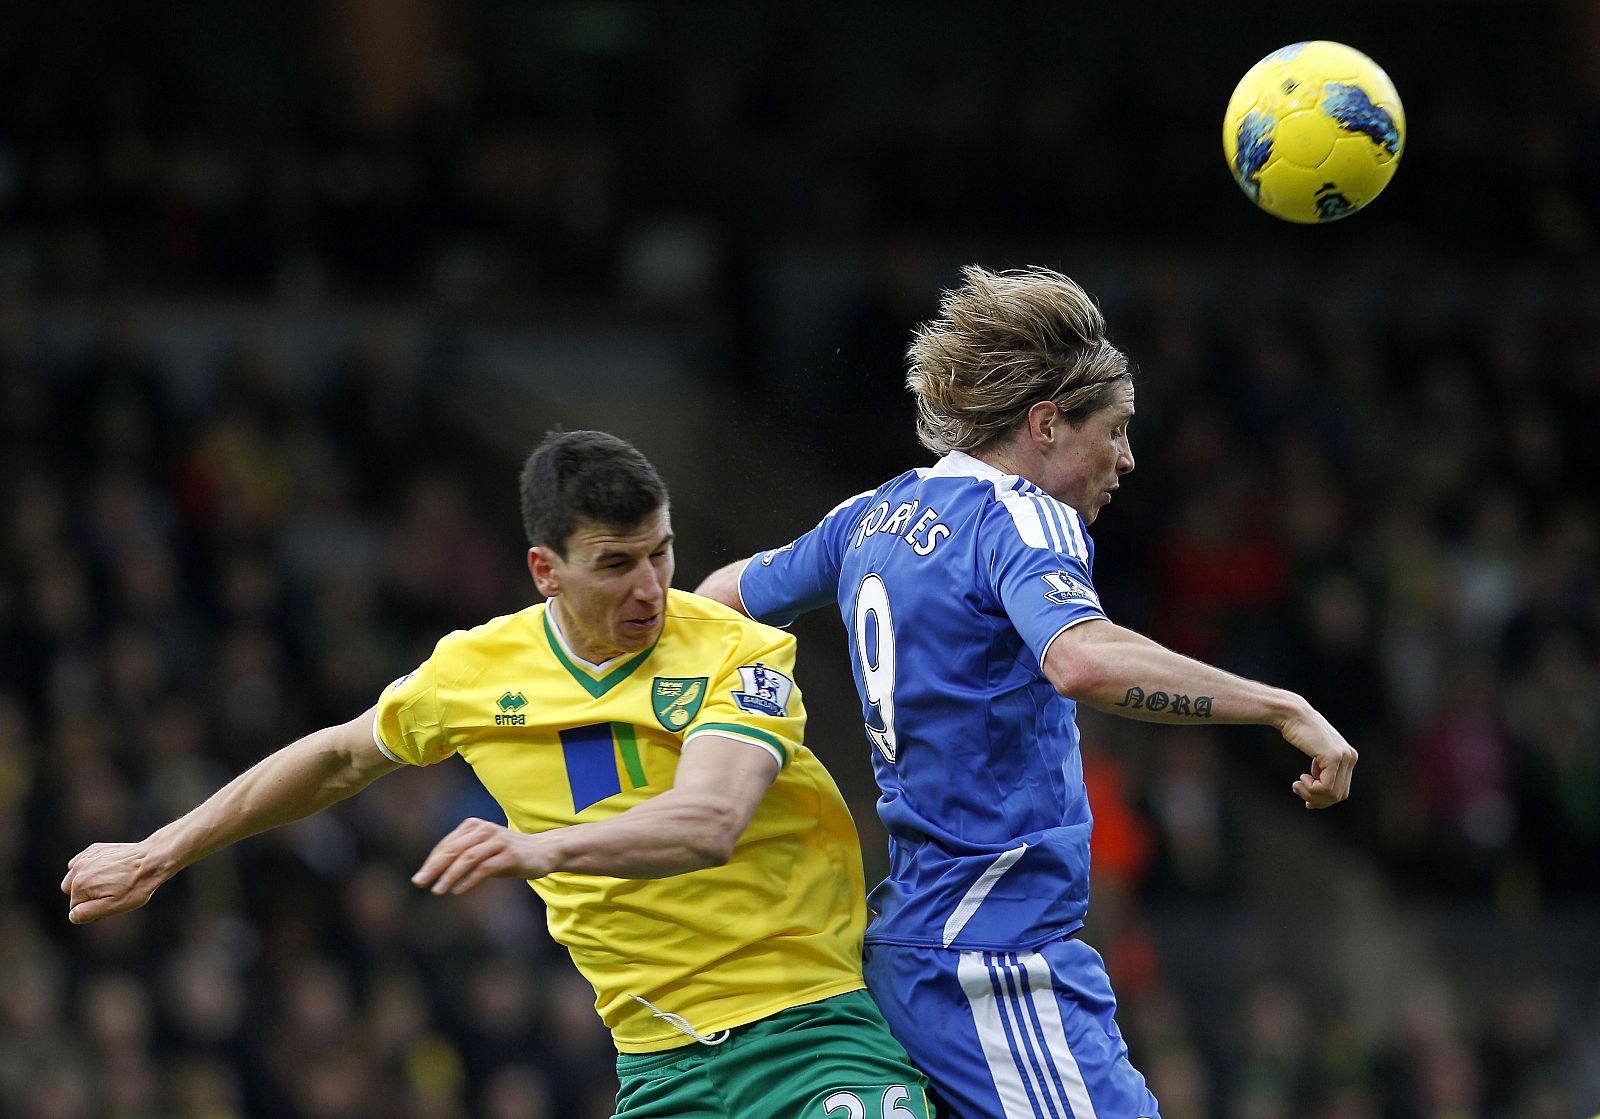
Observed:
{"x":511,"y":705}
{"x":1064,"y":588}
{"x":764,"y":691}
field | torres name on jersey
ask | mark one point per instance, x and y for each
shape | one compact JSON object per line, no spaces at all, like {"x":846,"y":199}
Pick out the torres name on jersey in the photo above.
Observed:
{"x":984,"y":854}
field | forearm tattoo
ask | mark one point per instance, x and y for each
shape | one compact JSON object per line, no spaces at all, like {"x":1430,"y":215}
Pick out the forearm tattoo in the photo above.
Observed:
{"x":1138,"y":699}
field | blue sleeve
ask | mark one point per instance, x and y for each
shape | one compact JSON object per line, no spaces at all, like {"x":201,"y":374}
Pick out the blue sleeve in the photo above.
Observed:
{"x":1039,"y":566}
{"x":778,"y":586}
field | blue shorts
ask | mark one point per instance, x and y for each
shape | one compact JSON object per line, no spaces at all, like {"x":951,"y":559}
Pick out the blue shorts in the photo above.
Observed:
{"x":1011,"y":1035}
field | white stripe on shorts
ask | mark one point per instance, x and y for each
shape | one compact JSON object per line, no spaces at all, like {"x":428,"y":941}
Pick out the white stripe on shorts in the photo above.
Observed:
{"x":1019,"y":1025}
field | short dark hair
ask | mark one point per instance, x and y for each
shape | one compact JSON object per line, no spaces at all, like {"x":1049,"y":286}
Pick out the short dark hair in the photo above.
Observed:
{"x":575,"y":476}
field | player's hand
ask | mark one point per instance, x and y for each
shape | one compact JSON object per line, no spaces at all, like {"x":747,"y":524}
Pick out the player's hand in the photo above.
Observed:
{"x":108,"y":878}
{"x":476,"y":850}
{"x":1332,"y":759}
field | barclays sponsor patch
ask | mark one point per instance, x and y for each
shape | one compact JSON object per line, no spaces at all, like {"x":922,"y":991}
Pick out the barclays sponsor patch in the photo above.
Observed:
{"x":763,"y":690}
{"x":1064,"y":588}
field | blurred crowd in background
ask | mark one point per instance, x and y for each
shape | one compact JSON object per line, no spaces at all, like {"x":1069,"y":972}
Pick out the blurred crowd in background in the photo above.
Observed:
{"x":1367,"y":471}
{"x":481,"y":152}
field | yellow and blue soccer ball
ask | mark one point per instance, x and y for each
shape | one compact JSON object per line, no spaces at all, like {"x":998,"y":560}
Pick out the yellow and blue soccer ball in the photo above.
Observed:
{"x":1314,"y":131}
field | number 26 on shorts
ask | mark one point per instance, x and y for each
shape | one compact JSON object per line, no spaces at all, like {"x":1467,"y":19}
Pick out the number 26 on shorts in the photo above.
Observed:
{"x":848,"y":1105}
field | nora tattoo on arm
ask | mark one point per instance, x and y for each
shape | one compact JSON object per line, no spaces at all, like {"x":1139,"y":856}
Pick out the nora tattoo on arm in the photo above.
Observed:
{"x":1137,"y":699}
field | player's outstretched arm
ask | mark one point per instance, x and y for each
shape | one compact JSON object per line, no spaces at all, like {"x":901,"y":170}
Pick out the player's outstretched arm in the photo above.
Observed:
{"x":302,"y":778}
{"x":694,"y":824}
{"x":1124,"y":673}
{"x":723,"y":585}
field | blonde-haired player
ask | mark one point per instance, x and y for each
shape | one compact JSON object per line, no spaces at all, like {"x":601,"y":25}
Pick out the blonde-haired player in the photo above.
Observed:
{"x":967,"y":589}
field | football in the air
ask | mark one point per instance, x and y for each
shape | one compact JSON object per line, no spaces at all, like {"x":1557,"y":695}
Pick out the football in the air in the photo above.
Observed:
{"x":1314,"y":131}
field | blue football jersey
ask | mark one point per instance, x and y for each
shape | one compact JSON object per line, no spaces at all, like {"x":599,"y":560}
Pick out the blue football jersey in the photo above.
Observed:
{"x":952,"y":581}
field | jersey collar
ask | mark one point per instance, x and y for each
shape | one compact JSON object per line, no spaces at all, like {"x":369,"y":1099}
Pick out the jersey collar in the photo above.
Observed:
{"x":596,"y":679}
{"x":959,"y":464}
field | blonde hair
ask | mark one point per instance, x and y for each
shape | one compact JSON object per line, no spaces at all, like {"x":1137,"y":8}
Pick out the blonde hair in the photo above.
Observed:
{"x":1001,"y":343}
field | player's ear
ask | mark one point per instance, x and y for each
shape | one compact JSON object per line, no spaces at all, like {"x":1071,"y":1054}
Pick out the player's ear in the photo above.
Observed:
{"x":541,"y":565}
{"x":1044,"y":420}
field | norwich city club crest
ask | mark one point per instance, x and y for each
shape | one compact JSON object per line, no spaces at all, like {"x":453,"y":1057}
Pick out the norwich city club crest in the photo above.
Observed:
{"x":677,"y":701}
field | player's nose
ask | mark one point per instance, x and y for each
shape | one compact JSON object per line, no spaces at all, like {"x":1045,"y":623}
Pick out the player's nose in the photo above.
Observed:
{"x":650,"y":586}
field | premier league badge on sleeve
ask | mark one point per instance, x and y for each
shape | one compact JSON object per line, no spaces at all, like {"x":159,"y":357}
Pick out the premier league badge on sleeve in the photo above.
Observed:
{"x":771,"y":554}
{"x":1064,"y":588}
{"x":765,"y":690}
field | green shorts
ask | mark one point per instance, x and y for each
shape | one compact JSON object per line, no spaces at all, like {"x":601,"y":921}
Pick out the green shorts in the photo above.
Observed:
{"x":833,"y":1059}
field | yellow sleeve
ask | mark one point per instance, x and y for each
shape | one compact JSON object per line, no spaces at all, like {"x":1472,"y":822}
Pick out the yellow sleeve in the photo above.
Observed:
{"x":755,"y":698}
{"x":409,"y":727}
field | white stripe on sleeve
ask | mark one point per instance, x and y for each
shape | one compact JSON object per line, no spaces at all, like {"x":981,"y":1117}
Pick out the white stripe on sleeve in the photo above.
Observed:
{"x":1025,"y":516}
{"x":384,"y":750}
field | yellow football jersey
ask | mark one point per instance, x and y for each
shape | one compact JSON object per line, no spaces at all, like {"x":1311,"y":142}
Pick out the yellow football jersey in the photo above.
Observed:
{"x":558,"y":743}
